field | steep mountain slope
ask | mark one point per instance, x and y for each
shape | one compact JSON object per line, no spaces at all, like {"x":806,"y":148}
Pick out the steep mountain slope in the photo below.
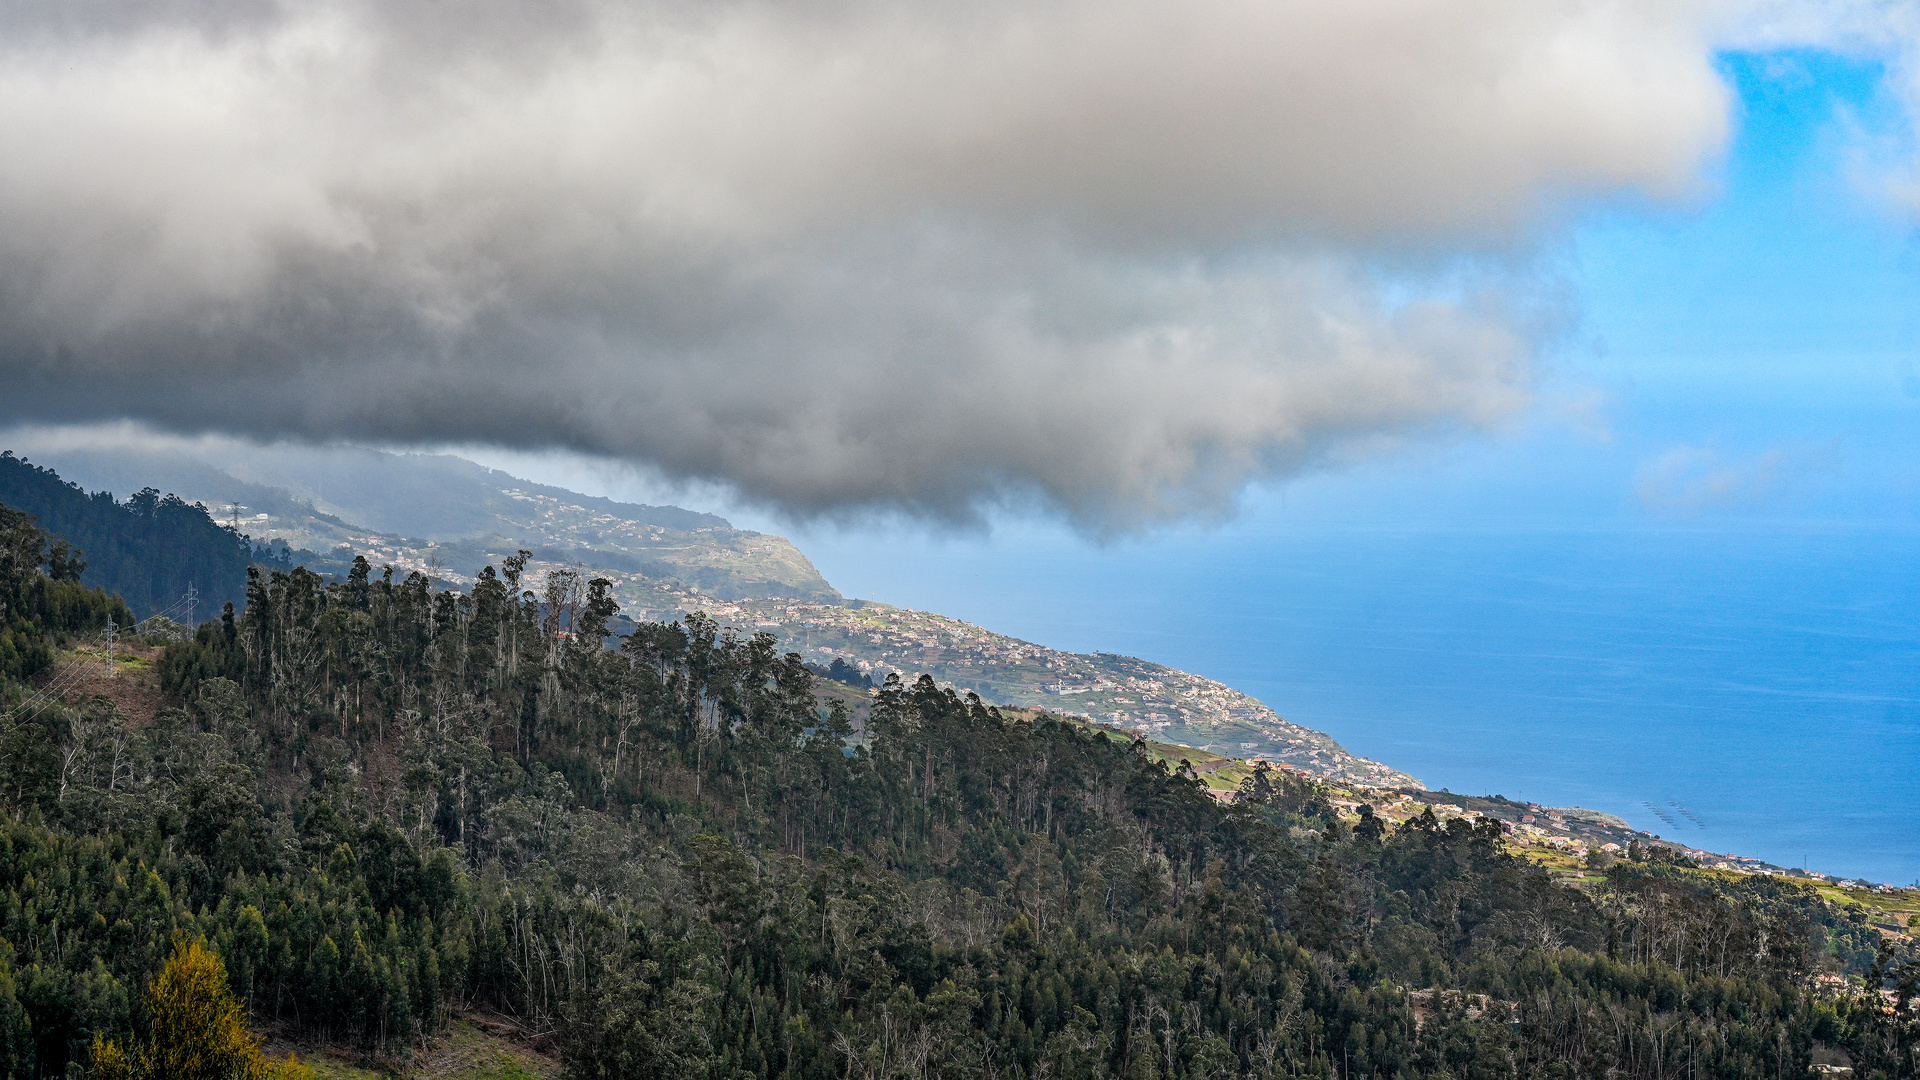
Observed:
{"x":447,"y":517}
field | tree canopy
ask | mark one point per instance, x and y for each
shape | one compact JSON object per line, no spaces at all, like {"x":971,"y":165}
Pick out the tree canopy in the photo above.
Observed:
{"x":685,"y":857}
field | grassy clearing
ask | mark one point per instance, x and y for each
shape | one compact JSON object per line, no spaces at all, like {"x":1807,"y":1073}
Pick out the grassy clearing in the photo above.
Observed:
{"x":1220,"y":772}
{"x":468,"y":1053}
{"x":464,"y":1051}
{"x":327,"y":1068}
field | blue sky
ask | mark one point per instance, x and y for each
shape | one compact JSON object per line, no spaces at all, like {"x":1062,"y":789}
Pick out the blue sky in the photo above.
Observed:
{"x":1785,"y":313}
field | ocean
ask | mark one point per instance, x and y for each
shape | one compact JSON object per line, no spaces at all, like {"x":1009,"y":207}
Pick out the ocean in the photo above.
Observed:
{"x":1749,"y":689}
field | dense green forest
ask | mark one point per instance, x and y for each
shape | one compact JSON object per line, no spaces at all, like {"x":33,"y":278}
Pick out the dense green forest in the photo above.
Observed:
{"x":42,"y":599}
{"x":147,"y":550}
{"x":673,"y":854}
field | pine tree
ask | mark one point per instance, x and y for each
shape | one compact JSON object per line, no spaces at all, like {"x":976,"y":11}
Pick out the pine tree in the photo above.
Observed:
{"x":199,"y":1030}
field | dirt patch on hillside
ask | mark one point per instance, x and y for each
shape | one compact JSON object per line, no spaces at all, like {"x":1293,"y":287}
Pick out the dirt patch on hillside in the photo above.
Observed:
{"x":472,"y":1047}
{"x":132,"y":683}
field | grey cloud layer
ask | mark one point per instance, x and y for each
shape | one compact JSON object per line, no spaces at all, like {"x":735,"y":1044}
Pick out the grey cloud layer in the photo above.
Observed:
{"x":842,"y":256}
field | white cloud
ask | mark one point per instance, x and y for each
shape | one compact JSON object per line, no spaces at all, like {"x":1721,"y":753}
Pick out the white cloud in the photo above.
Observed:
{"x":1688,"y":480}
{"x":1114,"y":258}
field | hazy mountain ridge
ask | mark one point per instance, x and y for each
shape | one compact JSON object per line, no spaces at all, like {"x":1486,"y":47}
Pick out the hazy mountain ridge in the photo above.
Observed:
{"x":665,"y":561}
{"x":446,"y":517}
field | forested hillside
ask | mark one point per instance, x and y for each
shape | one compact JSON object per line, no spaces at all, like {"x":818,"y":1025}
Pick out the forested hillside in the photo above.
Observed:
{"x":380,"y":804}
{"x":147,"y":550}
{"x":42,"y":600}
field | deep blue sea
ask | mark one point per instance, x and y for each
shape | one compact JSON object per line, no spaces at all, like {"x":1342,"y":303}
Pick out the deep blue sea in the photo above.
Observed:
{"x":1757,"y":685}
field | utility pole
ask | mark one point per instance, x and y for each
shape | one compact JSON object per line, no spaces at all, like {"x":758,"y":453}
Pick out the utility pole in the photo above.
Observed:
{"x":111,"y":630}
{"x":193,"y":597}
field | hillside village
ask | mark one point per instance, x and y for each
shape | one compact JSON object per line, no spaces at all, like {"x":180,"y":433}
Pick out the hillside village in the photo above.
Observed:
{"x":1572,"y":841}
{"x":1127,"y":693}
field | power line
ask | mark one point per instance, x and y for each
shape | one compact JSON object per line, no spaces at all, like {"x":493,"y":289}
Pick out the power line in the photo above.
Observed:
{"x":183,"y":606}
{"x":73,"y":674}
{"x":48,"y":694}
{"x":66,"y":680}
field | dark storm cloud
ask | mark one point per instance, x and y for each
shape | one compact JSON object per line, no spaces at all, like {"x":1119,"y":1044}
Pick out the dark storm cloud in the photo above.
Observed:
{"x":1116,"y":258}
